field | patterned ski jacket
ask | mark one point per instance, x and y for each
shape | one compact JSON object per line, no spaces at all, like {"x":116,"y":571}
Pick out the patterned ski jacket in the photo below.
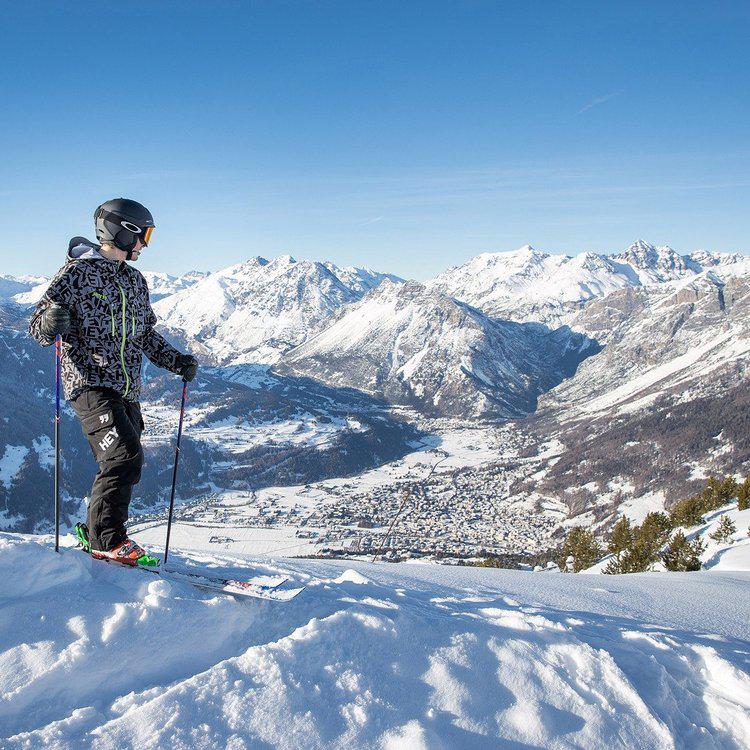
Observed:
{"x":112,"y":323}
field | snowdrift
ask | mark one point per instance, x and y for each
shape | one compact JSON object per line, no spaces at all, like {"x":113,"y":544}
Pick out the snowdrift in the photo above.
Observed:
{"x":387,"y":656}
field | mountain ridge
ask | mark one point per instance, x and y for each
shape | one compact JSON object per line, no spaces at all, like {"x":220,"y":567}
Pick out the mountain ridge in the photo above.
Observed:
{"x":528,"y":284}
{"x":414,"y":345}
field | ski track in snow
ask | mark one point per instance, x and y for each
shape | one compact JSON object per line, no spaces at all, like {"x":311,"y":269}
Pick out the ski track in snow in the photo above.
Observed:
{"x":385,"y":656}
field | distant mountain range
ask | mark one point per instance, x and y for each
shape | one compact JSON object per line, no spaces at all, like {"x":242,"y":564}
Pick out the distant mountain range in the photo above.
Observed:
{"x":257,"y":310}
{"x":530,"y":285}
{"x":28,"y":290}
{"x":627,"y":373}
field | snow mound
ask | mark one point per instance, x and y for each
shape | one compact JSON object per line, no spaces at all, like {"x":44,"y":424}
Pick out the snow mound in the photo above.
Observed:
{"x":92,"y":655}
{"x":351,"y":576}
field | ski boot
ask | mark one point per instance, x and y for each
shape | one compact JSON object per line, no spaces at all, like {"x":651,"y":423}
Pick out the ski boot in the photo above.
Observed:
{"x":127,"y":553}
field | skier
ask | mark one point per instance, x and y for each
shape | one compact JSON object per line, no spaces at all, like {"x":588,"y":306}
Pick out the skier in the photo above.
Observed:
{"x":99,"y":305}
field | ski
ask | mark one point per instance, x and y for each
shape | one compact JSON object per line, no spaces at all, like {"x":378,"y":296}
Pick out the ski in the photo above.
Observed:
{"x":253,"y":587}
{"x":258,"y":587}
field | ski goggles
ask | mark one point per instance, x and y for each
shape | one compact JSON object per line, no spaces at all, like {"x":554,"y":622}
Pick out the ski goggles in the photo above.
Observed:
{"x":144,"y":234}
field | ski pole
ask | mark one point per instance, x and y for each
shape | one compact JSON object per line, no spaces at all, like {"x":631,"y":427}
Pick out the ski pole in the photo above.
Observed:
{"x":174,"y":470}
{"x":58,"y":355}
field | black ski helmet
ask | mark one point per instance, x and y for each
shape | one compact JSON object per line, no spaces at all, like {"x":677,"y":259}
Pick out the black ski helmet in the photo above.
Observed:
{"x":120,"y":222}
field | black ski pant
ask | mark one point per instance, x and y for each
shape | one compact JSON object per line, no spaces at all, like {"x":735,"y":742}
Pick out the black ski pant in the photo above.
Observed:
{"x":113,"y":428}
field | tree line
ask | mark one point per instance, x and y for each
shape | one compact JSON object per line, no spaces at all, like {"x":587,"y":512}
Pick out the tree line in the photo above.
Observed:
{"x":659,"y":537}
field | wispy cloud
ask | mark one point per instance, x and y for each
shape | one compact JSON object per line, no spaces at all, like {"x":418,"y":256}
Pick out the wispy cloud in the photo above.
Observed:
{"x":367,"y":223}
{"x":596,"y":102}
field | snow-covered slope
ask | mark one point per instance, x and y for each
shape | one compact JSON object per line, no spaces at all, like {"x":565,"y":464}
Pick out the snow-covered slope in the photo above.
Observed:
{"x":531,"y":285}
{"x":661,"y":407}
{"x":656,"y":338}
{"x":731,"y":554}
{"x":254,"y":311}
{"x":393,"y":657}
{"x":22,"y":289}
{"x":421,"y":347}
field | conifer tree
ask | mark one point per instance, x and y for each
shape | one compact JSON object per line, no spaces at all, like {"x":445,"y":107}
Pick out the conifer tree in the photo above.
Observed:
{"x":581,"y":545}
{"x":621,"y":537}
{"x":654,"y":531}
{"x":718,"y":492}
{"x":724,"y":531}
{"x":643,"y":551}
{"x":682,"y":555}
{"x":638,"y":558}
{"x":689,"y":512}
{"x":743,"y":494}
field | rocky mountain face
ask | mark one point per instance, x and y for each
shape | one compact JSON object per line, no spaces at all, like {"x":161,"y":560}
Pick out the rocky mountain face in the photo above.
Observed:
{"x":416,"y":346}
{"x":530,"y":285}
{"x":664,"y":404}
{"x":658,"y":337}
{"x":255,"y":311}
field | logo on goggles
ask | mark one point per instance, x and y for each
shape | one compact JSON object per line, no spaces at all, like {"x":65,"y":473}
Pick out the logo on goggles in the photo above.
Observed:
{"x":131,"y":227}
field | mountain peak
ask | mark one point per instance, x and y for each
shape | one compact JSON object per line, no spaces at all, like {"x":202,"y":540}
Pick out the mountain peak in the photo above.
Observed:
{"x":255,"y":310}
{"x":662,"y":260}
{"x":641,"y":246}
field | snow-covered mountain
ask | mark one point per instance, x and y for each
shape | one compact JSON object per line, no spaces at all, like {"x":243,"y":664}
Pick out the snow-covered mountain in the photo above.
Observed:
{"x":664,"y":404}
{"x":22,"y":289}
{"x":256,"y":310}
{"x":161,"y":285}
{"x":659,"y":337}
{"x":418,"y":346}
{"x":530,"y":285}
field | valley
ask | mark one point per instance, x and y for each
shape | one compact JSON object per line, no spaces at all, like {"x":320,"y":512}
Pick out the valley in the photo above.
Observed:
{"x":347,"y":413}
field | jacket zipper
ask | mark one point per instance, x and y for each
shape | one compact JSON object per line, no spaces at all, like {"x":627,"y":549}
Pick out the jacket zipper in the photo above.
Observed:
{"x":122,"y":341}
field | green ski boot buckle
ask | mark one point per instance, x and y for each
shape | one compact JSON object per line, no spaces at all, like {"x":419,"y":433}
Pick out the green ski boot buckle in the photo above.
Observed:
{"x":82,"y":535}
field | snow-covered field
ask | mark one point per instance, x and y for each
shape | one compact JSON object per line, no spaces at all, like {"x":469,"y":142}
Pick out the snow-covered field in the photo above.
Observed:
{"x":384,"y":656}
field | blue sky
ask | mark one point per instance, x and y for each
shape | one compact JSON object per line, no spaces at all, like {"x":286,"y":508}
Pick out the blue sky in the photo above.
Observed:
{"x":405,"y":136}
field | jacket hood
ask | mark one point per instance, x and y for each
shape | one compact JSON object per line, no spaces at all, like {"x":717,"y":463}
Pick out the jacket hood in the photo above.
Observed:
{"x":80,"y":247}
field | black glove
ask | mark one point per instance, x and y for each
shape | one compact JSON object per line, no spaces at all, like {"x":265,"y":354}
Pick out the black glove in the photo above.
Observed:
{"x":55,"y":319}
{"x":187,"y":366}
